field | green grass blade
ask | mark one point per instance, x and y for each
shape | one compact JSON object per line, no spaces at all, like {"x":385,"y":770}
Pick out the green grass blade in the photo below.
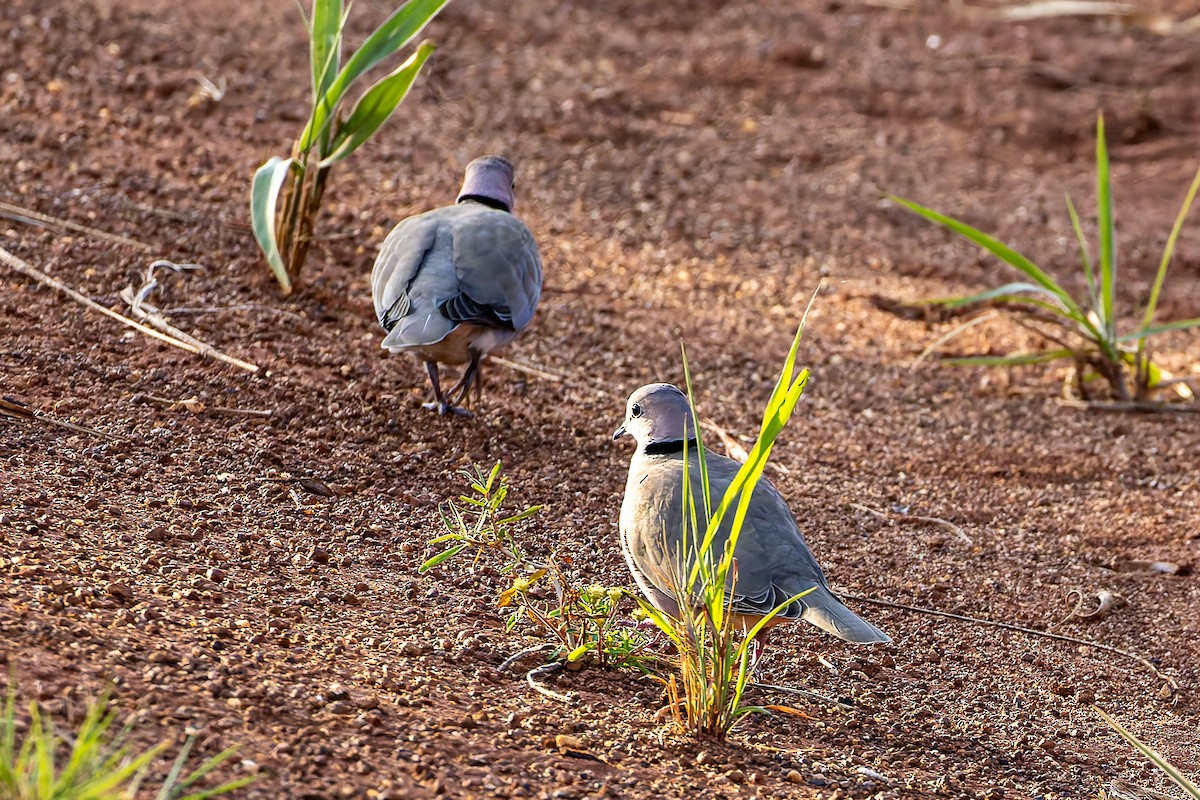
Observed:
{"x":376,"y":105}
{"x":998,"y":293}
{"x":325,"y":44}
{"x":996,"y":248}
{"x":1016,"y":360}
{"x":1177,"y":777}
{"x":1108,"y":255}
{"x":264,"y":197}
{"x":395,"y":32}
{"x":1178,"y":325}
{"x":1088,"y":271}
{"x":1152,"y":303}
{"x":440,"y":557}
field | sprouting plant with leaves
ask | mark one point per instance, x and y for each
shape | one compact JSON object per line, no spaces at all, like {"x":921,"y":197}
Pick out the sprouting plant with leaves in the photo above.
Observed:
{"x":715,"y":653}
{"x":285,"y":196}
{"x":93,"y":763}
{"x":1085,"y":330}
{"x":581,"y":620}
{"x":478,"y":522}
{"x":1167,"y":768}
{"x":584,"y":621}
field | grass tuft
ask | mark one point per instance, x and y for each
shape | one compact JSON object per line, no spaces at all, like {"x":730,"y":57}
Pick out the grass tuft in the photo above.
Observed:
{"x":94,"y":762}
{"x":715,"y":652}
{"x":1084,"y":330}
{"x":286,"y":193}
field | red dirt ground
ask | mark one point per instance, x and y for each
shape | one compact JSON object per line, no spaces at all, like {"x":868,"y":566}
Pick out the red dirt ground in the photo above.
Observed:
{"x":692,"y":171}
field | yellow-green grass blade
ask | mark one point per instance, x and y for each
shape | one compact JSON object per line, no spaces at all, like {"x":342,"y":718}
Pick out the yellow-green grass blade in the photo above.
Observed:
{"x":996,"y":248}
{"x":1000,"y":293}
{"x":325,"y":44}
{"x":264,"y":197}
{"x":1168,"y":251}
{"x":1178,"y":325}
{"x":785,"y":395}
{"x":224,"y":788}
{"x":1014,"y":360}
{"x":1104,"y":210}
{"x":440,"y":557}
{"x":1177,"y":777}
{"x":395,"y":32}
{"x":1088,"y":271}
{"x":1019,"y":262}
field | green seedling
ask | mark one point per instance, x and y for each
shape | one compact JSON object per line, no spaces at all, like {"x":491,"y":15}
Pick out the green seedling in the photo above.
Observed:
{"x":477,"y":522}
{"x":285,"y":196}
{"x":714,"y":652}
{"x":1085,"y":330}
{"x":581,"y":621}
{"x":584,"y":621}
{"x":93,"y":763}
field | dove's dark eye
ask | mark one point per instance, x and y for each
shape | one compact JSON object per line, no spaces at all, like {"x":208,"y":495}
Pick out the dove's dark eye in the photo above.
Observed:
{"x":635,"y":410}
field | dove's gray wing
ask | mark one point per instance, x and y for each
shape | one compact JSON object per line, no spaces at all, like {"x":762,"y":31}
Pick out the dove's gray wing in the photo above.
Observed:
{"x":412,"y":276}
{"x":773,"y":560}
{"x":498,"y":267}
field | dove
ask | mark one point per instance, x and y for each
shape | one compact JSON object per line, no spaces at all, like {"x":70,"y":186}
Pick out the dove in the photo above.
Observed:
{"x":456,"y":283}
{"x":773,"y":560}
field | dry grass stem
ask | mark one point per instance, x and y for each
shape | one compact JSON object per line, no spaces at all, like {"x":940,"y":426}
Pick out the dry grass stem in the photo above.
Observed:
{"x":11,"y":407}
{"x":1008,"y":626}
{"x":31,"y":217}
{"x":201,"y":349}
{"x":891,"y":517}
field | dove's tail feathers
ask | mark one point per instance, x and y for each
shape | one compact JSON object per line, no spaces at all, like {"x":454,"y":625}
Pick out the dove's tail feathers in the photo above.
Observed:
{"x":831,"y":615}
{"x":418,"y":330}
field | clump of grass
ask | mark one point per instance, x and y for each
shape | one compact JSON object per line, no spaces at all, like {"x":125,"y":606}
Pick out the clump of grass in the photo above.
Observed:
{"x":715,"y":654}
{"x":582,"y":621}
{"x":94,"y":762}
{"x":1084,"y":330}
{"x":285,"y":196}
{"x":1172,"y":772}
{"x":478,"y":522}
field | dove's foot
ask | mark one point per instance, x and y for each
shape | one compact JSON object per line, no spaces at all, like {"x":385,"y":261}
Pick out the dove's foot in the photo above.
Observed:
{"x":445,"y":408}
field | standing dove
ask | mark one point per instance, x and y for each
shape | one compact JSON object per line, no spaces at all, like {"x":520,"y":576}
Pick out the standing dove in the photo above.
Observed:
{"x":773,"y":561}
{"x":455,"y":283}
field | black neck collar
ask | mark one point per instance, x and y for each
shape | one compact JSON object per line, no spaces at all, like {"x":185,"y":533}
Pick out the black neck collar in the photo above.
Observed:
{"x":490,"y":202}
{"x":668,"y":447}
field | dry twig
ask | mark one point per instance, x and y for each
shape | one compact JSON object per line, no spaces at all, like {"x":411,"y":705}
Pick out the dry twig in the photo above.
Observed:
{"x":545,"y":669}
{"x":31,"y":217}
{"x":1008,"y":626}
{"x":11,"y":407}
{"x":44,"y":279}
{"x":916,"y":518}
{"x":150,"y":314}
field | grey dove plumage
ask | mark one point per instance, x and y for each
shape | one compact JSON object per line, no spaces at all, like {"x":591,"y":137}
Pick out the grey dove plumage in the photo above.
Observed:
{"x":773,"y":560}
{"x":456,"y":283}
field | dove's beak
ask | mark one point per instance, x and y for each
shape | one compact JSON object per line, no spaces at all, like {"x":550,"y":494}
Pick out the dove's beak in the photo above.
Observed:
{"x":618,"y":433}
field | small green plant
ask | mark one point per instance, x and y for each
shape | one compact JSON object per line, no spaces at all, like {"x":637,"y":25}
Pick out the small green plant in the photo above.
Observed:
{"x":285,"y":196}
{"x":715,"y":654}
{"x":582,"y":621}
{"x":477,"y":522}
{"x":99,"y":764}
{"x":1177,"y":777}
{"x":1085,"y":331}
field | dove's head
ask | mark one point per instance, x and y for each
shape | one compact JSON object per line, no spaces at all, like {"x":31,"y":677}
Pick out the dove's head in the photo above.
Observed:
{"x":655,"y":414}
{"x":489,"y":180}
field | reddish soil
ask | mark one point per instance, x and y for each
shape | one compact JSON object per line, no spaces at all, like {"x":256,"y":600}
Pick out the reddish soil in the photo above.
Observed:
{"x":692,"y":171}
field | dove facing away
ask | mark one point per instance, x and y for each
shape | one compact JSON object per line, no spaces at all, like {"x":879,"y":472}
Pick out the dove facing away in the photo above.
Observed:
{"x":773,"y":560}
{"x":453,"y":284}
